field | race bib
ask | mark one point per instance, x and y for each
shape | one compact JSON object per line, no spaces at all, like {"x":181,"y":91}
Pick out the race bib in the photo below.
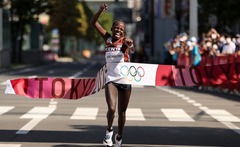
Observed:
{"x":114,"y":57}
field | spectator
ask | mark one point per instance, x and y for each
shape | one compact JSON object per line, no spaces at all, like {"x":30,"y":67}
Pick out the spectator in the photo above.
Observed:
{"x":221,"y":42}
{"x":183,"y":54}
{"x":195,"y":53}
{"x":214,"y":35}
{"x":237,"y":44}
{"x":174,"y":50}
{"x":229,"y":47}
{"x":185,"y":50}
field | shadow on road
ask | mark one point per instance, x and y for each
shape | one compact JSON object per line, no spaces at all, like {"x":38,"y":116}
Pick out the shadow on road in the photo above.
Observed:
{"x":136,"y":135}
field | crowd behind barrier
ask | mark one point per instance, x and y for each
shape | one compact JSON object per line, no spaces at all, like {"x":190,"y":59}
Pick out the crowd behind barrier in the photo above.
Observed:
{"x":211,"y":48}
{"x":208,"y":60}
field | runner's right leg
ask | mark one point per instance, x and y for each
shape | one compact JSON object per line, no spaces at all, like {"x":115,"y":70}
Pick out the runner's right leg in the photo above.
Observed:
{"x":111,"y":99}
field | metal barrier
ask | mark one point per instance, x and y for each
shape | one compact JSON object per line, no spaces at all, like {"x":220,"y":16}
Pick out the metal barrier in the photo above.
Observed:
{"x":233,"y":88}
{"x":216,"y":60}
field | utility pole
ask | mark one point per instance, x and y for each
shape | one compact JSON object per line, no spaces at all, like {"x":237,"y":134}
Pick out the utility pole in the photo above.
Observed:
{"x":1,"y":29}
{"x":193,"y":18}
{"x":152,"y":30}
{"x":179,"y":14}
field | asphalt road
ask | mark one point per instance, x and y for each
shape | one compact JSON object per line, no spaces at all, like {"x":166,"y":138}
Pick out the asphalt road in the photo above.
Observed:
{"x":157,"y":116}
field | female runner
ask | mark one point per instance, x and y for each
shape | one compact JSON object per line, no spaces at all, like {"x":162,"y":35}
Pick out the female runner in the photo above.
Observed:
{"x":117,"y":50}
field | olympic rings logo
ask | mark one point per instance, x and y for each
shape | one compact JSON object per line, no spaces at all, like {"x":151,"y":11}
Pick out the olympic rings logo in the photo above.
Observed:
{"x":132,"y":72}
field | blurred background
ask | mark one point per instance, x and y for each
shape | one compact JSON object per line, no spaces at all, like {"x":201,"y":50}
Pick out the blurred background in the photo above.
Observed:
{"x":39,"y":31}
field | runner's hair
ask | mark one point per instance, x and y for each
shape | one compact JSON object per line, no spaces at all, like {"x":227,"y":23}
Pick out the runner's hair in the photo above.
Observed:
{"x":120,"y":20}
{"x":117,"y":20}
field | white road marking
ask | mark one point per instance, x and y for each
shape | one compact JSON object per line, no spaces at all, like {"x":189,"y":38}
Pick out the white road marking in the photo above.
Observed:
{"x":76,"y":75}
{"x":50,"y":72}
{"x":29,"y":69}
{"x":82,"y":71}
{"x":203,"y":108}
{"x":3,"y":83}
{"x":37,"y":114}
{"x":185,"y":98}
{"x":10,"y":145}
{"x":191,"y":101}
{"x":4,"y":109}
{"x":222,"y":115}
{"x":232,"y":126}
{"x":85,"y":113}
{"x":134,"y":114}
{"x":180,"y":95}
{"x":197,"y":104}
{"x":53,"y":103}
{"x":177,"y":115}
{"x":33,"y":76}
{"x":29,"y":126}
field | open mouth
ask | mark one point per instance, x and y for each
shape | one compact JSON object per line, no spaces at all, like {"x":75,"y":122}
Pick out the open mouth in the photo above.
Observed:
{"x":118,"y":34}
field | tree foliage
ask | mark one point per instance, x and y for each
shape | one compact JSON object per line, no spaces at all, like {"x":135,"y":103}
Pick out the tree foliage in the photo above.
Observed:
{"x":82,"y":20}
{"x":226,"y":11}
{"x":89,"y":32}
{"x":28,"y":10}
{"x":23,"y":12}
{"x":72,"y":18}
{"x":105,"y":20}
{"x":64,"y":17}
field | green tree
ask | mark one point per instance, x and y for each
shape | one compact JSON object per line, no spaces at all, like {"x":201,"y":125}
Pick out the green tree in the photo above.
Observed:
{"x":89,"y":32}
{"x":82,"y":20}
{"x":24,"y":12}
{"x":64,"y":17}
{"x":226,"y":11}
{"x":105,"y":20}
{"x":72,"y":18}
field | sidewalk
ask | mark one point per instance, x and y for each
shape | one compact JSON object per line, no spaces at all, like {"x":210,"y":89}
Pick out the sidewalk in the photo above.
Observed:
{"x":15,"y":67}
{"x":22,"y":66}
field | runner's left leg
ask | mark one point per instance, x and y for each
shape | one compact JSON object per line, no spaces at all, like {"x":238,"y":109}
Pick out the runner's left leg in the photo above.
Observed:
{"x":123,"y":100}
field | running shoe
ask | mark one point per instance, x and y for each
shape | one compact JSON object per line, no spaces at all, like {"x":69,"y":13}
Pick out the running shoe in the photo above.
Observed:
{"x":118,"y":143}
{"x":108,"y":138}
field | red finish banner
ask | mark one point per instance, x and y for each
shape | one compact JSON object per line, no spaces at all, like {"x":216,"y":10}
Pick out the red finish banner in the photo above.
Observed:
{"x":222,"y":75}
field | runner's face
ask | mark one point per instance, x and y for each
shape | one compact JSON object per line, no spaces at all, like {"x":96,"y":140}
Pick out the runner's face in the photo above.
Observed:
{"x":118,"y":30}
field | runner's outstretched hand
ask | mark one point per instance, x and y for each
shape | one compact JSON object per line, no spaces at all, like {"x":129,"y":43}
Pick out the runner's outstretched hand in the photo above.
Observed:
{"x":128,"y":42}
{"x":103,"y":7}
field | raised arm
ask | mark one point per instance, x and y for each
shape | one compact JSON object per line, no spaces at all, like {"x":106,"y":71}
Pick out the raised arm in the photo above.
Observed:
{"x":94,"y":21}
